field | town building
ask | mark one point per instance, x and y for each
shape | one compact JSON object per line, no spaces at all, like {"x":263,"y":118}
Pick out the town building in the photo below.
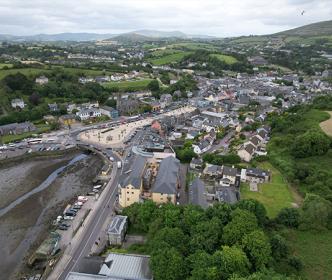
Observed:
{"x":119,"y":267}
{"x":42,"y":80}
{"x":117,"y":230}
{"x":17,"y":103}
{"x":87,"y":114}
{"x":17,"y":128}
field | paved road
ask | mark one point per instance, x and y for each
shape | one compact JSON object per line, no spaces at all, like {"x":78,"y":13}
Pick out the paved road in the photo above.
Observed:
{"x":81,"y":247}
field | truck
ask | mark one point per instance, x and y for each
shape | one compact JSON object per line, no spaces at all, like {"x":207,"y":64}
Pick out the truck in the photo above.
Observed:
{"x":119,"y":163}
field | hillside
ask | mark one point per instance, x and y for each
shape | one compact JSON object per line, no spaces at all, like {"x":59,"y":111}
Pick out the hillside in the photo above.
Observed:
{"x":132,"y":38}
{"x":322,"y":28}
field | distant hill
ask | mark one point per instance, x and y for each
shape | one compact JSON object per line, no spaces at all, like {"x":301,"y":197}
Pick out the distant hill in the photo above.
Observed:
{"x":132,"y":38}
{"x":77,"y":37}
{"x":138,"y":36}
{"x":323,"y":28}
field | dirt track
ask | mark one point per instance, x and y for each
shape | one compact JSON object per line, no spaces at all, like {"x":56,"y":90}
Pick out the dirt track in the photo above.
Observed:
{"x":326,"y":126}
{"x":23,"y":228}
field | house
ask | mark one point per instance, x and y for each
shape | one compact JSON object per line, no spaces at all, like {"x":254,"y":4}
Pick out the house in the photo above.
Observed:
{"x":130,"y":184}
{"x":87,"y":114}
{"x":202,"y":147}
{"x":196,"y":163}
{"x":212,"y":170}
{"x":119,"y":267}
{"x":255,"y":141}
{"x":227,"y":194}
{"x":166,"y":184}
{"x":17,"y":128}
{"x":229,"y":173}
{"x":246,"y":152}
{"x":109,"y":112}
{"x":165,"y":100}
{"x":192,"y":134}
{"x":197,"y":193}
{"x":42,"y":80}
{"x":256,"y":175}
{"x":117,"y":230}
{"x":53,"y":107}
{"x":17,"y":103}
{"x":68,"y":119}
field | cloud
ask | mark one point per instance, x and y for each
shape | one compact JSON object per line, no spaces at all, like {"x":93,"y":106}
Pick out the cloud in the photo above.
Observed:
{"x":215,"y":17}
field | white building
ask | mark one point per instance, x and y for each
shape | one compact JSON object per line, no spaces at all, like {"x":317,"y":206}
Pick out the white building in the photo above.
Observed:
{"x":87,"y":114}
{"x":42,"y":80}
{"x":17,"y":103}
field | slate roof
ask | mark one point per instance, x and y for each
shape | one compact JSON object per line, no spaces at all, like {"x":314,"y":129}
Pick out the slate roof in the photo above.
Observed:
{"x":229,"y":171}
{"x":167,"y":177}
{"x":255,"y":140}
{"x":117,"y":224}
{"x":250,"y":148}
{"x":255,"y":172}
{"x":228,"y":195}
{"x":134,"y":177}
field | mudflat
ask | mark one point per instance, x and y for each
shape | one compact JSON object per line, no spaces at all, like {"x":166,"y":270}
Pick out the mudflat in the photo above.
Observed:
{"x":25,"y":226}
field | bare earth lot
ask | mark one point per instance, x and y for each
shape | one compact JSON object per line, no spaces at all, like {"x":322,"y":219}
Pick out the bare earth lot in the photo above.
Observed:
{"x":326,"y":126}
{"x":23,"y":228}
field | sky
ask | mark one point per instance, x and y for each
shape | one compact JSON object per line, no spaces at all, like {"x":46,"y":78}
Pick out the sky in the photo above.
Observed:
{"x":222,"y":18}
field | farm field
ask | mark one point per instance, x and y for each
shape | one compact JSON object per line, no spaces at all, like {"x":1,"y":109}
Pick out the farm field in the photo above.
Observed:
{"x":314,"y":249}
{"x":326,"y":126}
{"x":170,"y":58}
{"x":40,"y":71}
{"x":274,"y":195}
{"x":225,"y":58}
{"x":2,"y":65}
{"x":129,"y":85}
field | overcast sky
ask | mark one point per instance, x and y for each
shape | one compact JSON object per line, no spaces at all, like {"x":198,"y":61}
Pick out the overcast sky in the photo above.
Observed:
{"x":211,"y":17}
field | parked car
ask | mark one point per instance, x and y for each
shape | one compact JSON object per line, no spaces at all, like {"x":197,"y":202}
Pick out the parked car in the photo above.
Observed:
{"x":68,"y":217}
{"x":61,"y":227}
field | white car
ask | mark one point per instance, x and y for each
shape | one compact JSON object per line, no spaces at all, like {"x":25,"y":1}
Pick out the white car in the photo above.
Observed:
{"x":68,"y":218}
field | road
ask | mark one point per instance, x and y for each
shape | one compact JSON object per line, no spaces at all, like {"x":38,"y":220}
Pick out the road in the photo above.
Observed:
{"x":82,"y":243}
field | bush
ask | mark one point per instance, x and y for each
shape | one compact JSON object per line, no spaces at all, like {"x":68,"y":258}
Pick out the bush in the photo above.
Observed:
{"x":289,"y":217}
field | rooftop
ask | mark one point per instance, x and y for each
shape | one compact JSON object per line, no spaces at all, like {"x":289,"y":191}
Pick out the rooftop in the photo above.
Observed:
{"x":135,"y":176}
{"x":166,"y":181}
{"x":117,"y":224}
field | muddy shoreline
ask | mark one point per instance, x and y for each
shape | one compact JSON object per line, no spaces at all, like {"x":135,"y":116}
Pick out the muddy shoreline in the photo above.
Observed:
{"x":23,"y":228}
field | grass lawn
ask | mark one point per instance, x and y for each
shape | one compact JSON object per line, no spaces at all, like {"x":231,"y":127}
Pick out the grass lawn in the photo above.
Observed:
{"x":2,"y":65}
{"x":326,"y":126}
{"x":169,"y":58}
{"x":314,"y":249}
{"x":129,"y":85}
{"x":225,"y":58}
{"x":274,"y":195}
{"x":11,"y":138}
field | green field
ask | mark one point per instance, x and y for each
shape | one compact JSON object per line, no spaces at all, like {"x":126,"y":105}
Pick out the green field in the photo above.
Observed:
{"x":274,"y":195}
{"x":193,"y":46}
{"x":169,"y":58}
{"x":129,"y":85}
{"x":2,"y":65}
{"x":40,"y":71}
{"x":314,"y":249}
{"x":225,"y":58}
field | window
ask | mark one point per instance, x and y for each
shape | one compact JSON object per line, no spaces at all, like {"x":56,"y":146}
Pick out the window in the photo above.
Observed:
{"x":127,"y":192}
{"x":128,"y":199}
{"x":132,"y":192}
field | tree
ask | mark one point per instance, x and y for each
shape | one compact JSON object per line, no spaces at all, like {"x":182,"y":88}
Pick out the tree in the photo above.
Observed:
{"x":289,"y":217}
{"x":206,"y":235}
{"x":257,"y":247}
{"x":201,"y":266}
{"x":222,"y":211}
{"x":153,"y":85}
{"x":191,"y":216}
{"x":231,"y":260}
{"x":18,"y":81}
{"x":34,"y":99}
{"x":311,"y":143}
{"x":243,"y":222}
{"x":169,"y":237}
{"x":316,"y":213}
{"x":168,"y":264}
{"x":141,"y":215}
{"x":279,"y":247}
{"x":254,"y":207}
